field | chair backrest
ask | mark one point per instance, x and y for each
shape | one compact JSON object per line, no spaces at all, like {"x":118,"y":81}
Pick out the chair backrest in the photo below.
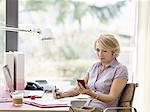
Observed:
{"x":127,"y":96}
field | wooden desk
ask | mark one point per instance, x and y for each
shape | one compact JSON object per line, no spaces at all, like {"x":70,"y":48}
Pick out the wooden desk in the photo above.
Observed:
{"x":8,"y":107}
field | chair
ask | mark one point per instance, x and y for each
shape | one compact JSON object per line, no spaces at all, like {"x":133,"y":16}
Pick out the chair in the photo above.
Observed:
{"x":126,"y":99}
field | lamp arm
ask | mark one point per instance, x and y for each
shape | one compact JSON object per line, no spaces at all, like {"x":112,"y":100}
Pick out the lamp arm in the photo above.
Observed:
{"x":47,"y":35}
{"x":14,"y":29}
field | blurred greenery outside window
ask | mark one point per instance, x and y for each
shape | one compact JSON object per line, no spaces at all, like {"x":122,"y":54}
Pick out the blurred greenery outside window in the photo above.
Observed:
{"x":2,"y":17}
{"x":75,"y":25}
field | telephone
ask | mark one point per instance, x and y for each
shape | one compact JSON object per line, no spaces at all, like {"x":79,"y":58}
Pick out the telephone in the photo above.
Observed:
{"x":33,"y":86}
{"x":46,"y":86}
{"x":39,"y":85}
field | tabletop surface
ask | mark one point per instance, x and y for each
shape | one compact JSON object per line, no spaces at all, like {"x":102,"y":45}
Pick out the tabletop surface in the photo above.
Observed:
{"x":7,"y":106}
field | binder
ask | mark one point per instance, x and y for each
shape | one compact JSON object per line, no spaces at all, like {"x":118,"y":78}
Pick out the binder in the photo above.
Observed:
{"x":19,"y":70}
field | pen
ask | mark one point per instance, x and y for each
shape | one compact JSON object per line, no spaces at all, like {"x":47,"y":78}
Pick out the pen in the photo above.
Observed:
{"x":57,"y":94}
{"x":55,"y":89}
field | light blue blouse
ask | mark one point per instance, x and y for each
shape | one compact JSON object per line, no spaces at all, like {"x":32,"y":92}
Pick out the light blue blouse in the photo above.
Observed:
{"x":101,"y":81}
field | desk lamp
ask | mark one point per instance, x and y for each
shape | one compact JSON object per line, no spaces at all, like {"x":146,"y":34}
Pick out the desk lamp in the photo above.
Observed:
{"x":45,"y":34}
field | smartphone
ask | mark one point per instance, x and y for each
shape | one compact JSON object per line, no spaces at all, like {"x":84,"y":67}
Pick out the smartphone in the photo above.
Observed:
{"x":81,"y":82}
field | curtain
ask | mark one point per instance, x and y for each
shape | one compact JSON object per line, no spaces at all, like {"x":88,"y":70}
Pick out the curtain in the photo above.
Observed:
{"x":143,"y":55}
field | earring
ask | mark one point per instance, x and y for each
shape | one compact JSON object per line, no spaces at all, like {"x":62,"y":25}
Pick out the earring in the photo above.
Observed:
{"x":113,"y":55}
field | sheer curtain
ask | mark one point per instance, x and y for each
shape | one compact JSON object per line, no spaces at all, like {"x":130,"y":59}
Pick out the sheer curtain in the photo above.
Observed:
{"x":143,"y":55}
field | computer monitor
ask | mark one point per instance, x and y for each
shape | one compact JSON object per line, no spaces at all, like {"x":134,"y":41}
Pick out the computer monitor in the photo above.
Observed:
{"x":9,"y":82}
{"x":15,"y":63}
{"x":8,"y":78}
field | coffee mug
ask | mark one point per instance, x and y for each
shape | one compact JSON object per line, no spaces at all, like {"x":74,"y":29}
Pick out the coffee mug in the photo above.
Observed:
{"x":17,"y":99}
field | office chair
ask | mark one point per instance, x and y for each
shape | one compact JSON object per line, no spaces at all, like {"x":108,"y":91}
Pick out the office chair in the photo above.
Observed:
{"x":126,"y":99}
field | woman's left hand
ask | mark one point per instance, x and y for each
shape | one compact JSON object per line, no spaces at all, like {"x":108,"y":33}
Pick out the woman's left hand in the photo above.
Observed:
{"x":83,"y":90}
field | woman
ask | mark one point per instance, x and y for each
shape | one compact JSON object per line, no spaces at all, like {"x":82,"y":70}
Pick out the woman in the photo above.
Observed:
{"x":105,"y":79}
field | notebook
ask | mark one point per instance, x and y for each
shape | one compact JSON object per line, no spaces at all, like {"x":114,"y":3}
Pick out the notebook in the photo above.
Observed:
{"x":26,"y":93}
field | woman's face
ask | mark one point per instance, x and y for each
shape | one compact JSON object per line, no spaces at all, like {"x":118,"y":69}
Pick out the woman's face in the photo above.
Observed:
{"x":105,"y":55}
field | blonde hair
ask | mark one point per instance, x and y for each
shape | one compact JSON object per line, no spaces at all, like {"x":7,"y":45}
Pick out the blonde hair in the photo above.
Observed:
{"x":108,"y":41}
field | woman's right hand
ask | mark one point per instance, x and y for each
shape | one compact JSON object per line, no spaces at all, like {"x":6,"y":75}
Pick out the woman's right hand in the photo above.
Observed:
{"x":57,"y":94}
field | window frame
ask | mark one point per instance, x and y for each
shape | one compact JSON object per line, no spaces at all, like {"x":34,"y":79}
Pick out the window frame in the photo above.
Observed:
{"x":11,"y":38}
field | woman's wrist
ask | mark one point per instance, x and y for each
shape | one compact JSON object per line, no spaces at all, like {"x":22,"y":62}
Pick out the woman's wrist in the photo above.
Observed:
{"x":96,"y":96}
{"x":66,"y":94}
{"x":93,"y":95}
{"x":63,"y":94}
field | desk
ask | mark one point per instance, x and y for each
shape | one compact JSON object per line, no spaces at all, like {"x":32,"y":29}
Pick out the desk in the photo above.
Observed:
{"x":7,"y":106}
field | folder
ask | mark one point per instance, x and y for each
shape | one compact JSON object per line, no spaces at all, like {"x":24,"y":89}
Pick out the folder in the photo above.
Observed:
{"x":46,"y":105}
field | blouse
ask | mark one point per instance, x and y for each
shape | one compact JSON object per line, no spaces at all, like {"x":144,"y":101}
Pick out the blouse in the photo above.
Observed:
{"x":101,"y":81}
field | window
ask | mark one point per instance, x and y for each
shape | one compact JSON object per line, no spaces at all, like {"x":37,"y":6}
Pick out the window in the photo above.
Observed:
{"x":2,"y":17}
{"x":75,"y":24}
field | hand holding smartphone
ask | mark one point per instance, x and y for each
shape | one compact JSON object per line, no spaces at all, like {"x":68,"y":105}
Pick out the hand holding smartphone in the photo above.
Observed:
{"x":81,"y":82}
{"x":56,"y":92}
